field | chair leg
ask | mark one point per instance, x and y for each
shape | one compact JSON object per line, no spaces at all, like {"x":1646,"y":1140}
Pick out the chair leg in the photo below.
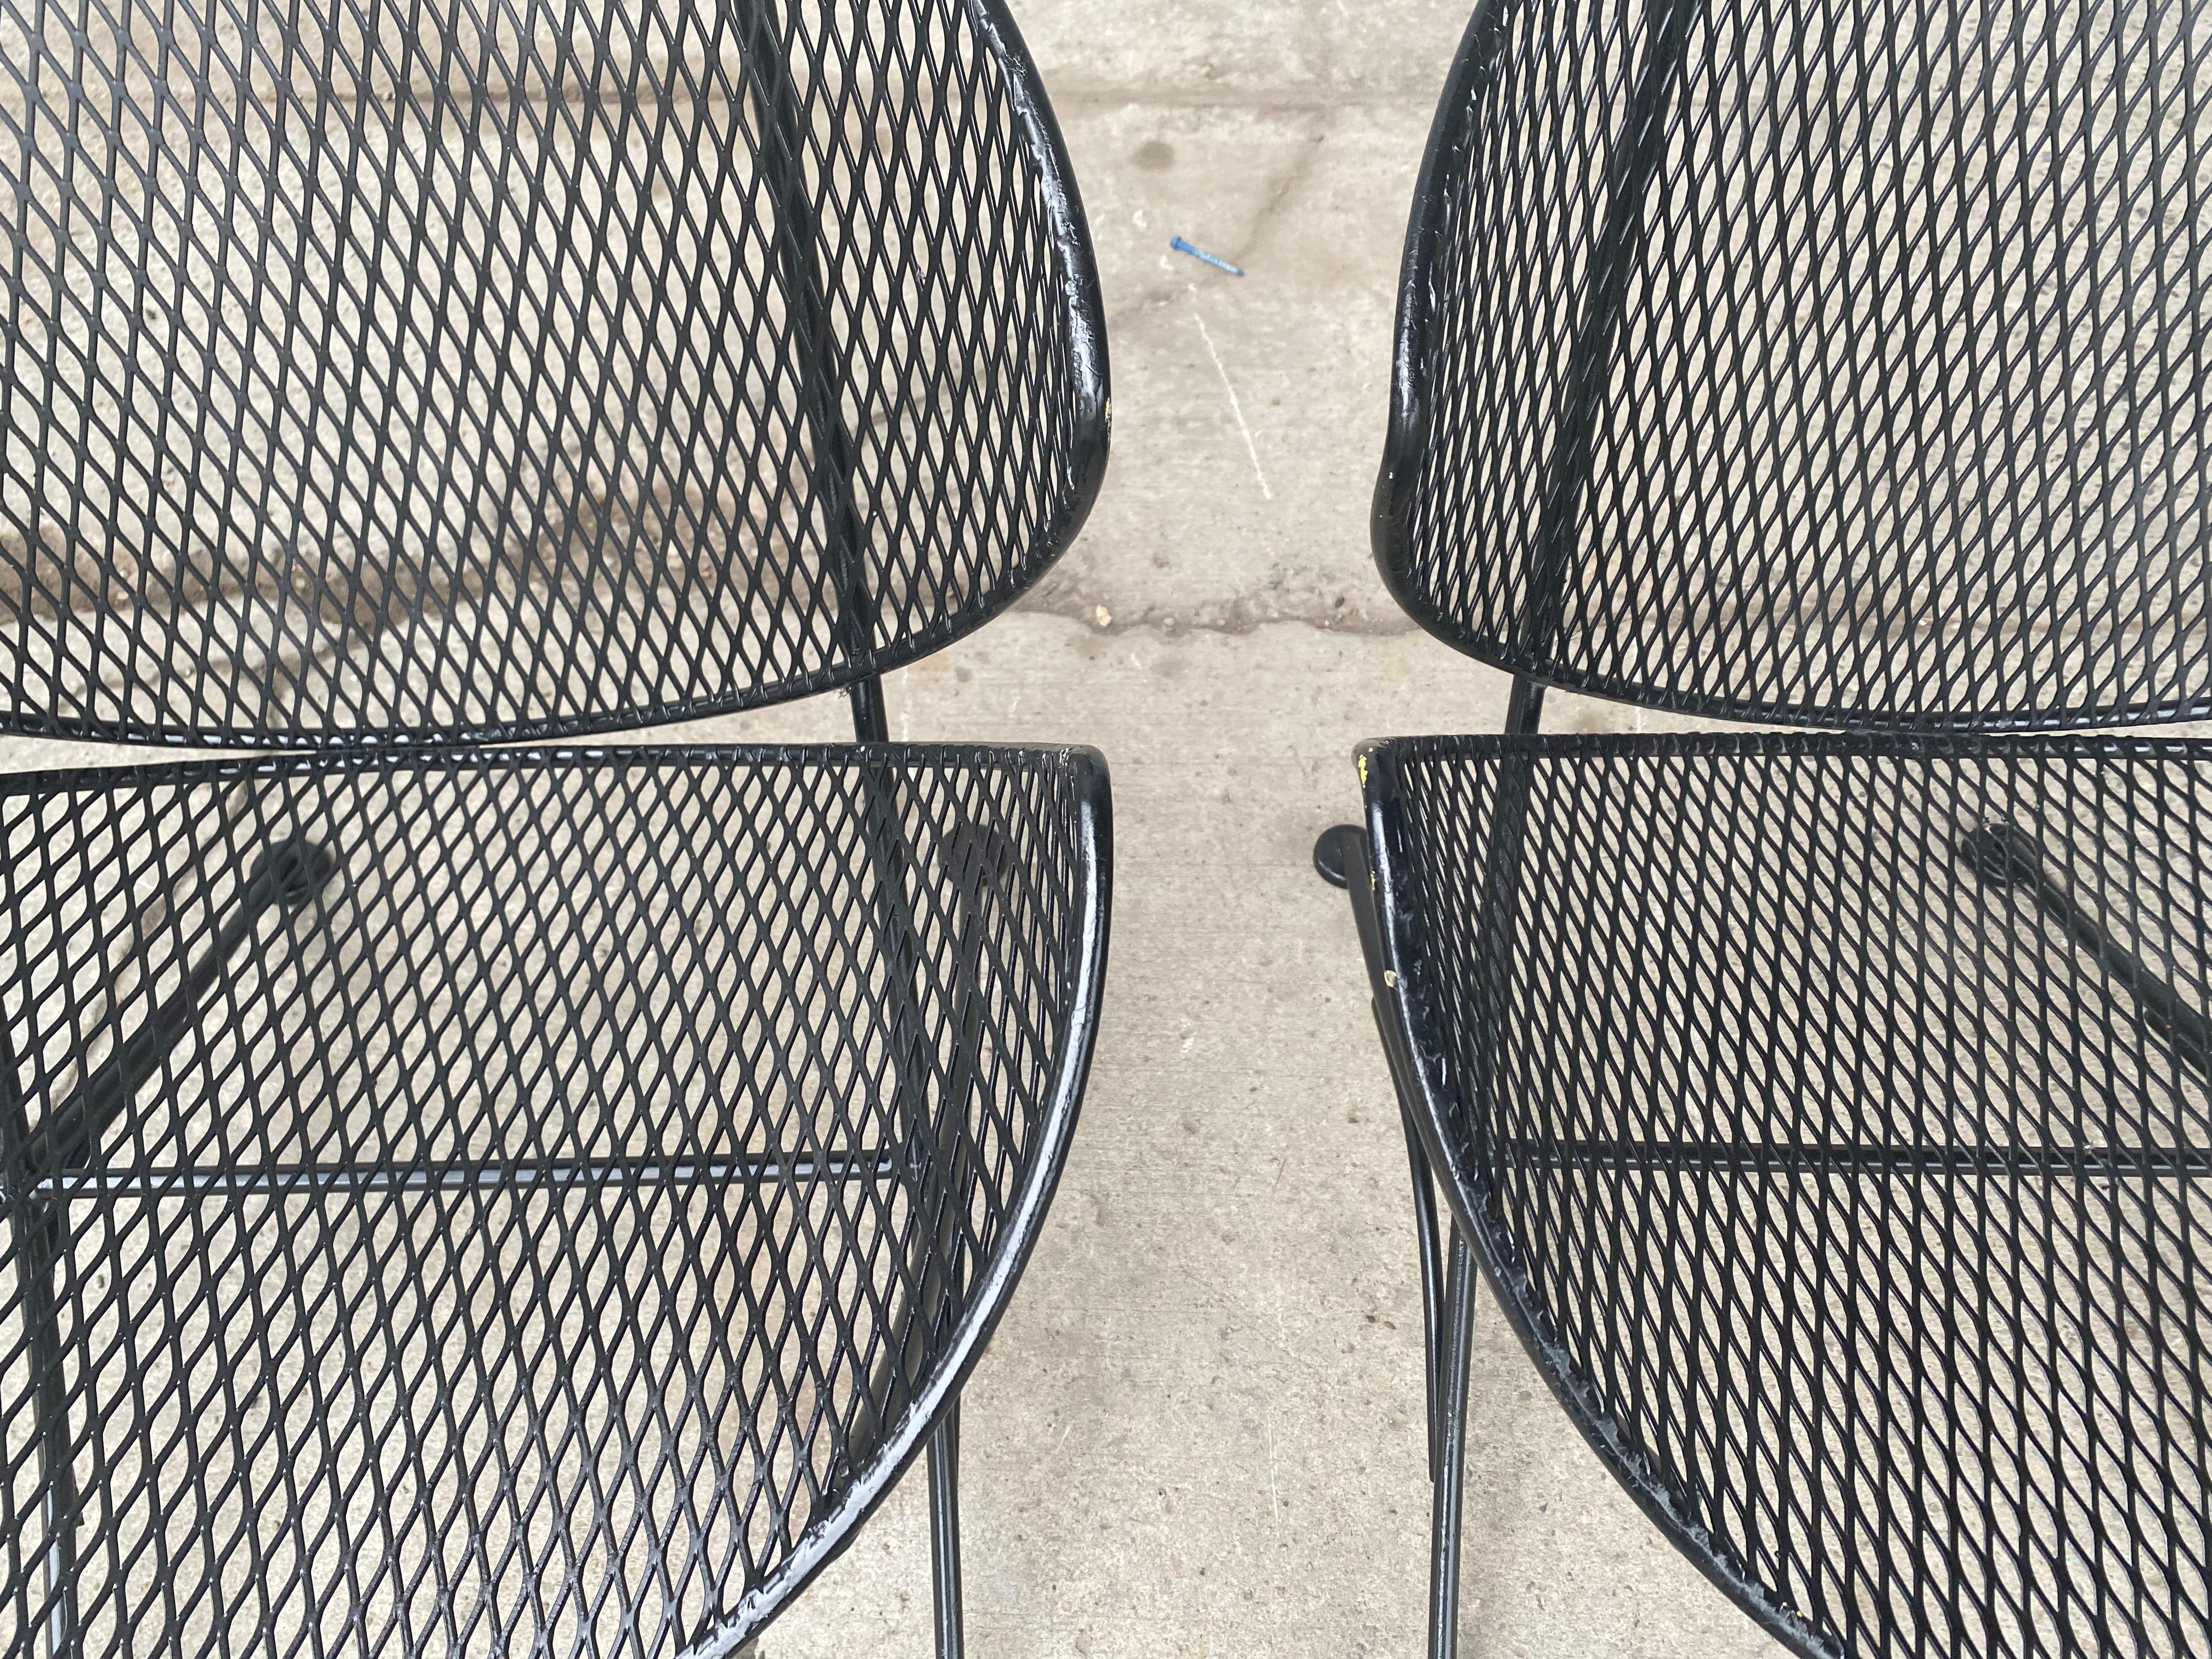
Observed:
{"x":1450,"y":1464}
{"x":1433,"y":1281}
{"x":1341,"y":857}
{"x":40,"y":1244}
{"x":944,"y":1532}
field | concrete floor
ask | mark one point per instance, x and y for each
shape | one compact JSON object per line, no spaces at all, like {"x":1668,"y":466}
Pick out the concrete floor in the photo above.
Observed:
{"x":1198,"y":1432}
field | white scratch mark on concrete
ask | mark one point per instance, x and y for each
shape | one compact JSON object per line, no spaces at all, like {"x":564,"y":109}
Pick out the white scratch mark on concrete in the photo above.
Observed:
{"x":1235,"y":408}
{"x":1274,"y":1495}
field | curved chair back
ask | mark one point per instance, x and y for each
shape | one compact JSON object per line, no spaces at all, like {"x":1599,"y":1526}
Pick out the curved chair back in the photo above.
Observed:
{"x":405,"y":371}
{"x":1843,"y":365}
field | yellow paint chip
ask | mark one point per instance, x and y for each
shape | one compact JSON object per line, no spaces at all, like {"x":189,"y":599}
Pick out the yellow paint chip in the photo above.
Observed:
{"x":1363,"y":771}
{"x":1390,"y":978}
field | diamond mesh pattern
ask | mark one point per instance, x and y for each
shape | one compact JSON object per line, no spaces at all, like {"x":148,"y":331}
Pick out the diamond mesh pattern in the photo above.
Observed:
{"x":1842,"y":362}
{"x":1852,"y":1177}
{"x":555,"y":1186}
{"x":472,"y":369}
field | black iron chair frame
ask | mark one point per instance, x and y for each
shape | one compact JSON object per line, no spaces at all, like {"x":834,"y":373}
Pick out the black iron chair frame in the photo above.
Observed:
{"x":1342,"y":857}
{"x":920,"y":1407}
{"x":1360,"y":858}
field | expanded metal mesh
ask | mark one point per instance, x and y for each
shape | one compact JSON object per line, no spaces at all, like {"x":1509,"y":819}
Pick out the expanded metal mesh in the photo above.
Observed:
{"x":1836,"y":1112}
{"x":508,"y":1202}
{"x":507,"y":371}
{"x":1834,"y":362}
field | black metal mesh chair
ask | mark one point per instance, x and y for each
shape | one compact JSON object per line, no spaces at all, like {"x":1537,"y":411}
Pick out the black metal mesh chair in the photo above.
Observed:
{"x":1828,"y":1111}
{"x":498,"y":1200}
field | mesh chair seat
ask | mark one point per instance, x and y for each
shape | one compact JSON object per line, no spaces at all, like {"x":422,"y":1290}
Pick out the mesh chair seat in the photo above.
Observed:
{"x":503,"y":1201}
{"x":1832,"y":1114}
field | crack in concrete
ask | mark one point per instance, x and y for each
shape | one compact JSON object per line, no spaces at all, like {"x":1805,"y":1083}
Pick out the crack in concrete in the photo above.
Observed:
{"x":1296,"y":175}
{"x":1245,"y":614}
{"x":1095,"y":95}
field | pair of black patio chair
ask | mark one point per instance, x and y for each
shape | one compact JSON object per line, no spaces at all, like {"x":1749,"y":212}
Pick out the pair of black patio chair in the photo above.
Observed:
{"x":470,"y":1198}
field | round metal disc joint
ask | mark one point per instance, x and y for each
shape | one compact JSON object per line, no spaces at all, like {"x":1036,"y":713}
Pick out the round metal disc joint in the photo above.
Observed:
{"x":295,"y":870}
{"x":2001,"y":854}
{"x":1338,"y":852}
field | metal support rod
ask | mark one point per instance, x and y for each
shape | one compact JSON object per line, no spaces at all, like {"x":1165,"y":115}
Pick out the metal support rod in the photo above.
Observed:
{"x":1358,"y":870}
{"x":1524,"y":706}
{"x":835,"y":456}
{"x":211,"y":1181}
{"x":940,"y":1171}
{"x":945,"y":1533}
{"x":1498,"y":919}
{"x":1637,"y":153}
{"x":784,"y":137}
{"x":2005,"y":856}
{"x":1444,"y":1537}
{"x":784,"y":132}
{"x":944,"y":1171}
{"x":1785,"y":1158}
{"x":1637,"y":150}
{"x":1588,"y":374}
{"x":288,"y":875}
{"x":866,"y":696}
{"x":40,"y":1245}
{"x":38,"y":1248}
{"x":983,"y":860}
